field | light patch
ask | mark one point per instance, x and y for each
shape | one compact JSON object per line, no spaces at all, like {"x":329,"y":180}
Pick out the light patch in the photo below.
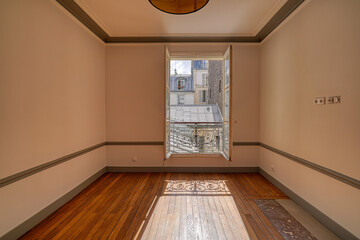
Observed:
{"x":195,"y":209}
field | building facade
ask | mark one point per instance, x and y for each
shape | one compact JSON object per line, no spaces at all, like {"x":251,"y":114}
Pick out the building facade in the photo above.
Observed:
{"x":201,"y":87}
{"x":215,"y":83}
{"x":200,"y":72}
{"x":181,"y":89}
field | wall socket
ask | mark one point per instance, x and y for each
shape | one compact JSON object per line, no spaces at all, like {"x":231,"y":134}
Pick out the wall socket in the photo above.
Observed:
{"x":134,"y":159}
{"x":327,"y":100}
{"x":319,"y":100}
{"x":333,"y":100}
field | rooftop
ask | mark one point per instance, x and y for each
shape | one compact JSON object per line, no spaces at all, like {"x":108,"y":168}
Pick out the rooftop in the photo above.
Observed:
{"x":208,"y":113}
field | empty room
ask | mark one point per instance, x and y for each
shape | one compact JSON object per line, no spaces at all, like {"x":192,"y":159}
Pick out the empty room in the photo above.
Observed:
{"x":180,"y":119}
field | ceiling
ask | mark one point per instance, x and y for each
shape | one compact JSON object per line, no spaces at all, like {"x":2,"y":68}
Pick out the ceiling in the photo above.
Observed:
{"x":217,"y":21}
{"x":138,"y":18}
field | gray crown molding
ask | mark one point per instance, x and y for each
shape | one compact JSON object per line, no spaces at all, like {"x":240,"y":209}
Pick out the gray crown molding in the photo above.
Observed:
{"x":229,"y":39}
{"x":278,"y":18}
{"x":83,"y":17}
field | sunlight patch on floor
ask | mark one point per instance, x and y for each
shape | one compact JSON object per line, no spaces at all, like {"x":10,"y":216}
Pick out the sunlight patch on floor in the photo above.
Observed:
{"x":195,"y":209}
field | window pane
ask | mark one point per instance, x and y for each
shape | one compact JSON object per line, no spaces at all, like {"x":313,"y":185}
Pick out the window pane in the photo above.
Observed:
{"x":227,"y":71}
{"x":204,"y":79}
{"x":167,"y":104}
{"x":226,"y":137}
{"x":181,"y":84}
{"x":227,"y":105}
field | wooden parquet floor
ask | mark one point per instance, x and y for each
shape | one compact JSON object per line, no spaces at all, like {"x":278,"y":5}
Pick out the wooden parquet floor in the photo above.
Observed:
{"x":164,"y":206}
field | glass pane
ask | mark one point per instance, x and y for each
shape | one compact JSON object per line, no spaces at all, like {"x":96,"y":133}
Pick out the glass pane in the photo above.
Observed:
{"x":168,"y":138}
{"x":227,"y":71}
{"x":167,"y":74}
{"x":227,"y":105}
{"x":167,"y":105}
{"x":226,"y":137}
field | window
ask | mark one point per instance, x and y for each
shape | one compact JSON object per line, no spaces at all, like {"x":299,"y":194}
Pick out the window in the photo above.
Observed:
{"x":181,"y":84}
{"x":204,"y":79}
{"x":202,"y":96}
{"x":181,"y":99}
{"x":198,"y":118}
{"x":201,"y":79}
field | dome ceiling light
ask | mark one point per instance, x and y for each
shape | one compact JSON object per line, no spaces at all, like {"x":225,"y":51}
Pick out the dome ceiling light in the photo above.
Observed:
{"x":179,"y":6}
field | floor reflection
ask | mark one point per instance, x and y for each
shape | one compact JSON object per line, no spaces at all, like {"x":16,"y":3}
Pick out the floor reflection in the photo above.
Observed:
{"x":195,"y":209}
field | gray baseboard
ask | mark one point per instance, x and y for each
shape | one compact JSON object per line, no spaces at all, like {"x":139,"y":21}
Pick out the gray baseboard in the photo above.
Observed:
{"x":185,"y":169}
{"x":316,"y":213}
{"x":37,"y":218}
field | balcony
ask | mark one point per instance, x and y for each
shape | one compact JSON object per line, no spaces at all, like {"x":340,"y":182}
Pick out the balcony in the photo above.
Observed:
{"x":196,"y":137}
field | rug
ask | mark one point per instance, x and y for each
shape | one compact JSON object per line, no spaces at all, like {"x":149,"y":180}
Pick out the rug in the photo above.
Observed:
{"x":285,"y":224}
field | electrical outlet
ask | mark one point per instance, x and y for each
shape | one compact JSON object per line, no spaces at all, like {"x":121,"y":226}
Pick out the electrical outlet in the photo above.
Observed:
{"x":134,"y":159}
{"x":319,"y":100}
{"x":333,"y":99}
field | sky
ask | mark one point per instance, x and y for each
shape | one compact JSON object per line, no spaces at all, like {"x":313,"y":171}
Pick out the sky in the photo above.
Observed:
{"x":182,"y":66}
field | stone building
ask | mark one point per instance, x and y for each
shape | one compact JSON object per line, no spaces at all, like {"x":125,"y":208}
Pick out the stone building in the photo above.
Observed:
{"x":215,"y":83}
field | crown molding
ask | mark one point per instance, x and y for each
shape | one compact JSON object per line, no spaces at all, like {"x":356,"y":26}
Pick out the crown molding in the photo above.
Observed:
{"x":83,"y":17}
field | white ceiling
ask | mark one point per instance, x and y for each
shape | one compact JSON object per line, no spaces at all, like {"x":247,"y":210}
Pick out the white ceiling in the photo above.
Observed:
{"x":138,"y":18}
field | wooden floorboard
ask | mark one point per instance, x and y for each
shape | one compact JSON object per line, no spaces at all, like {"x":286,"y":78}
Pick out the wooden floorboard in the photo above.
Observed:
{"x":164,"y":206}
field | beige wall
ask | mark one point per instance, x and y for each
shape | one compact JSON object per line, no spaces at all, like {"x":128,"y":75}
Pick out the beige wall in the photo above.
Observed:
{"x":52,"y":103}
{"x":315,"y":53}
{"x":135,"y":102}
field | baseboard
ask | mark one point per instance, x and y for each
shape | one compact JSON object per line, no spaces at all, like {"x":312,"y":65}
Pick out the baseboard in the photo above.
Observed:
{"x":37,"y":218}
{"x":316,"y":213}
{"x":185,"y":169}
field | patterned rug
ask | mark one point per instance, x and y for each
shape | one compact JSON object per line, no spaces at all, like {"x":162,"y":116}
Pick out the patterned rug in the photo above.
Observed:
{"x":285,"y":224}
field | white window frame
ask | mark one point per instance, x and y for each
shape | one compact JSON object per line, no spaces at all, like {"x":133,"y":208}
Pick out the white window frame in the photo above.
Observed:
{"x":195,"y":56}
{"x":181,"y":86}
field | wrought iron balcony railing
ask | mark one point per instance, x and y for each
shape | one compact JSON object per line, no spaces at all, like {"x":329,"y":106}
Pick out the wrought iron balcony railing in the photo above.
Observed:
{"x":196,"y":137}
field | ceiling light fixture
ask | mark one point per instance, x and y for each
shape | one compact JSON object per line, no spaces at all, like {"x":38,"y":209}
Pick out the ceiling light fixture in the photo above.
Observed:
{"x":179,"y":6}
